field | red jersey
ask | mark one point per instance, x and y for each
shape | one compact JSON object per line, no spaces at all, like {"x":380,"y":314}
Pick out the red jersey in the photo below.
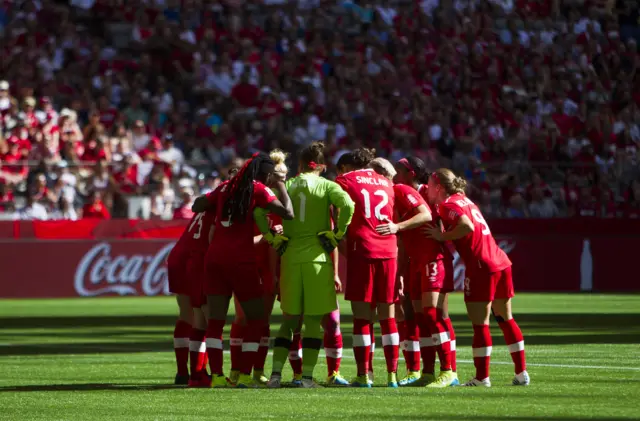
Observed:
{"x":95,"y":210}
{"x":195,"y":237}
{"x":416,"y":244}
{"x":374,"y":201}
{"x":478,"y":248}
{"x":233,"y":240}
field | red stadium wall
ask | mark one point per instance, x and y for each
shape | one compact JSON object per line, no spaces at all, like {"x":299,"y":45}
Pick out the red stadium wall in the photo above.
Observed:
{"x":120,"y":257}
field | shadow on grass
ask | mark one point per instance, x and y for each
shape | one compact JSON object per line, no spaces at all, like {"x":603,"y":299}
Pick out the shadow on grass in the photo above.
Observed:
{"x":87,"y":387}
{"x":125,"y":334}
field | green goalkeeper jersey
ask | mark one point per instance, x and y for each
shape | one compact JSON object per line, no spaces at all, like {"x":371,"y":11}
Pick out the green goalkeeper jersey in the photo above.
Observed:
{"x":312,"y":197}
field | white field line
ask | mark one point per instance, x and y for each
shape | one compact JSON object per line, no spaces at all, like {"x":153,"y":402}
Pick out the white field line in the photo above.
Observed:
{"x":573,"y":366}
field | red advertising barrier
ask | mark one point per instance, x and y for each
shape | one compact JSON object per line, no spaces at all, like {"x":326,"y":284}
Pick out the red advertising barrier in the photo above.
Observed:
{"x":90,"y":258}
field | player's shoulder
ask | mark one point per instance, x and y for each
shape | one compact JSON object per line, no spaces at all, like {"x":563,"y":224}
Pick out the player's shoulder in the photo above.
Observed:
{"x":261,"y":187}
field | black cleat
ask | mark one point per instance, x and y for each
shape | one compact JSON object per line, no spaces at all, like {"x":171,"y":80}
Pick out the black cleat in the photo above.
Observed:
{"x":181,"y":380}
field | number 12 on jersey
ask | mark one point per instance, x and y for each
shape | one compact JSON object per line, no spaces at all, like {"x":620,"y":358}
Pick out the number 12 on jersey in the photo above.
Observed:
{"x":377,"y":210}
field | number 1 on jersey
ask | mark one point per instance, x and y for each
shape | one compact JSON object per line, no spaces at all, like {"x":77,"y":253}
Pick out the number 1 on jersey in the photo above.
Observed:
{"x":303,"y":206}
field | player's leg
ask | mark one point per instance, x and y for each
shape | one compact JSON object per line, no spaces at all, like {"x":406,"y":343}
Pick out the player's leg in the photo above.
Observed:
{"x":319,"y":300}
{"x":512,"y":334}
{"x":263,"y":351}
{"x":235,"y":341}
{"x":443,"y":305}
{"x":479,"y":291}
{"x":253,"y":309}
{"x":359,"y":291}
{"x":386,"y":296}
{"x":432,"y":284}
{"x":218,"y":290}
{"x":181,"y":333}
{"x":372,"y":335}
{"x":295,"y":355}
{"x":198,"y":348}
{"x":291,"y":305}
{"x":410,"y":340}
{"x":333,"y":347}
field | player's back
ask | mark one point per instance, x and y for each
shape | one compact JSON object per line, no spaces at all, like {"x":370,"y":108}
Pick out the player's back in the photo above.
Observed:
{"x":233,"y":239}
{"x":196,"y":235}
{"x":478,"y":248}
{"x":311,"y":198}
{"x":374,"y":199}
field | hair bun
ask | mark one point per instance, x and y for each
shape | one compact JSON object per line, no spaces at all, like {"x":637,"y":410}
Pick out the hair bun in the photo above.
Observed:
{"x":278,"y":157}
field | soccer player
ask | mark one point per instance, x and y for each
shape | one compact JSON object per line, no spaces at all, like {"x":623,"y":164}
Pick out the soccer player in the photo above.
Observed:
{"x":371,"y":268}
{"x":267,"y":261}
{"x":429,"y":275}
{"x":488,"y":284}
{"x":231,"y":267}
{"x":307,"y":273}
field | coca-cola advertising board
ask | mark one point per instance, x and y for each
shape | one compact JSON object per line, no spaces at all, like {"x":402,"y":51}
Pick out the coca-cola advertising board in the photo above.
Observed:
{"x":128,"y":257}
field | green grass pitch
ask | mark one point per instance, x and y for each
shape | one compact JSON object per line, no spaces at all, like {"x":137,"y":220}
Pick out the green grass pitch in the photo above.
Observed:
{"x":112,"y":359}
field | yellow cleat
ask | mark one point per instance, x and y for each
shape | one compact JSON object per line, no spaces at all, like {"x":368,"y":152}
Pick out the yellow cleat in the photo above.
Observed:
{"x":260,"y":378}
{"x":233,"y":376}
{"x":219,"y":381}
{"x":336,"y":379}
{"x":297,"y":380}
{"x":245,"y":381}
{"x":444,"y":379}
{"x":424,"y":380}
{"x":361,"y":381}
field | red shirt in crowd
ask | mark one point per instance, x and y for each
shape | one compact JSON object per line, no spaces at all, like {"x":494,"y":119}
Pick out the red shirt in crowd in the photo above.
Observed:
{"x":96,"y":210}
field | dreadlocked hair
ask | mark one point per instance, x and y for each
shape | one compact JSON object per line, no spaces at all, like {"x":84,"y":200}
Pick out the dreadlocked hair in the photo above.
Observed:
{"x":241,"y":186}
{"x":362,"y":157}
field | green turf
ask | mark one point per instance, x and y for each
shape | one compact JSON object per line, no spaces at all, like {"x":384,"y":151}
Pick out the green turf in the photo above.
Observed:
{"x":112,"y":359}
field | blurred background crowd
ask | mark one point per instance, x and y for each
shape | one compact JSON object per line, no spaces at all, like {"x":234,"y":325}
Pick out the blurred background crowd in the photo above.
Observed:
{"x":129,"y":108}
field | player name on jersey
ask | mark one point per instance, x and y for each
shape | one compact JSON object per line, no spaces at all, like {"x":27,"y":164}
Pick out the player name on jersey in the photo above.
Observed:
{"x":372,"y":181}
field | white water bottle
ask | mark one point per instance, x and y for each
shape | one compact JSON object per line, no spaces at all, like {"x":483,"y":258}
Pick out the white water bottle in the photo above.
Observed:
{"x":586,"y":267}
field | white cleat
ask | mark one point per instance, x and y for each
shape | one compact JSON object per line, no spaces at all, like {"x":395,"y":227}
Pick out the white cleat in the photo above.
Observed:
{"x":275,"y":382}
{"x":371,"y":378}
{"x":309,"y":384}
{"x":475,"y":382}
{"x":521,"y":379}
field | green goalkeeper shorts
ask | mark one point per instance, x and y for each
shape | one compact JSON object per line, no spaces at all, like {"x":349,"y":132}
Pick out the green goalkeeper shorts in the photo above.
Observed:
{"x":307,"y":288}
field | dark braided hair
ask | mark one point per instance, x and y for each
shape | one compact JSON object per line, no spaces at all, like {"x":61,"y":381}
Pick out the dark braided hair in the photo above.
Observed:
{"x":417,"y":165}
{"x":238,"y":204}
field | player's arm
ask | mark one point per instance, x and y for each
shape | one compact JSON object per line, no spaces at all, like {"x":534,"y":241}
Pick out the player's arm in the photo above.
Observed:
{"x":422,"y":217}
{"x":282,"y":205}
{"x":206,"y":202}
{"x":257,"y":239}
{"x":463,"y":226}
{"x":344,"y":206}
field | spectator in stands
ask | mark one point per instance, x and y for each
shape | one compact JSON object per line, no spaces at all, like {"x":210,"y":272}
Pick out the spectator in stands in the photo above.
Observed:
{"x":95,"y":207}
{"x":183,"y":211}
{"x":542,"y":206}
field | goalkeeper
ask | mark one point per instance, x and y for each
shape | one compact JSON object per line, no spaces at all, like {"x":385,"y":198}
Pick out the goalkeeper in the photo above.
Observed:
{"x":306,"y":271}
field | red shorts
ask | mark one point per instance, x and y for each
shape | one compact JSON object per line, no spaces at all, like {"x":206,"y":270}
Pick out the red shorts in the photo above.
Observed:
{"x":176,"y":272}
{"x":268,"y":283}
{"x":436,"y":276}
{"x":195,"y":275}
{"x":240,"y":279}
{"x":480,"y":285}
{"x":371,"y":280}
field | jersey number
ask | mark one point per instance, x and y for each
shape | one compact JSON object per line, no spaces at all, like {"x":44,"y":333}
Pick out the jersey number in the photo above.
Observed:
{"x":480,"y":220}
{"x":197,"y":220}
{"x":303,"y":206}
{"x":377,"y":210}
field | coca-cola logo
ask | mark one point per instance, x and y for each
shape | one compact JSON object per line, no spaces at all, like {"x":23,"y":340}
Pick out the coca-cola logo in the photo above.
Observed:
{"x":458,"y":266}
{"x":100,"y":273}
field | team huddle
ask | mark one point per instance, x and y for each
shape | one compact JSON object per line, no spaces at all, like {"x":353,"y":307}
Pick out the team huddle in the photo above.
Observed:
{"x":260,"y":237}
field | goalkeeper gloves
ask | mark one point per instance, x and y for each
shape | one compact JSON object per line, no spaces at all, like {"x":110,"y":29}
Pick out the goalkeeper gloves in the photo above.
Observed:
{"x":330,"y":240}
{"x":278,"y":241}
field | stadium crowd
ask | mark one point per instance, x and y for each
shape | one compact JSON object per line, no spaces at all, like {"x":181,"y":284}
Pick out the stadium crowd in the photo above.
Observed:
{"x":116,"y":108}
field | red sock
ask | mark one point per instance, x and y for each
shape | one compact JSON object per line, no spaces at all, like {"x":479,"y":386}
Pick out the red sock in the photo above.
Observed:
{"x":427,"y":347}
{"x":515,"y":342}
{"x":390,"y":343}
{"x":263,"y":350}
{"x":333,"y":350}
{"x":214,"y":346}
{"x":482,"y":346}
{"x":411,"y":345}
{"x":181,"y":334}
{"x":250,"y":345}
{"x":295,"y":354}
{"x":452,"y":337}
{"x":197,"y":352}
{"x":361,"y":345}
{"x":440,"y":337}
{"x":235,"y":346}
